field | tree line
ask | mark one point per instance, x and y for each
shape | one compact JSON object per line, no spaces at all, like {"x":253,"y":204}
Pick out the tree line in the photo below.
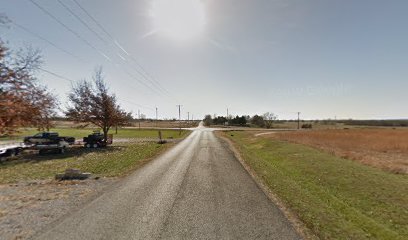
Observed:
{"x":264,"y":121}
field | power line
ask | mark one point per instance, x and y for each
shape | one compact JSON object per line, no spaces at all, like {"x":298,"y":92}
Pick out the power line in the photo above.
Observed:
{"x":101,"y":38}
{"x":69,"y":29}
{"x":145,"y":74}
{"x":141,"y":82}
{"x":84,"y":40}
{"x":148,"y":77}
{"x":46,"y":40}
{"x":72,"y":81}
{"x":57,"y":75}
{"x":77,"y":35}
{"x":80,"y":20}
{"x":96,"y":22}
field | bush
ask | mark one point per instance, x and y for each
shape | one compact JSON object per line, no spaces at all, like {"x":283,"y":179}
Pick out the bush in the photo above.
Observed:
{"x":307,"y":126}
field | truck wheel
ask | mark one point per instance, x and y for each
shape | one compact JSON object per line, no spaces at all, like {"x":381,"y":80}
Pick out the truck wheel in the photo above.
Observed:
{"x":88,"y":145}
{"x":12,"y":153}
{"x":95,"y":145}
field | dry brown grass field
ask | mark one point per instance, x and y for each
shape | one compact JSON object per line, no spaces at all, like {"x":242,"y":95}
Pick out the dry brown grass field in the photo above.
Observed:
{"x":382,"y":148}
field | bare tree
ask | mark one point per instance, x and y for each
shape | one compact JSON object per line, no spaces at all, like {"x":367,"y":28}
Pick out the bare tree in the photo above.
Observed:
{"x":269,"y":118}
{"x":91,"y":102}
{"x":23,"y":101}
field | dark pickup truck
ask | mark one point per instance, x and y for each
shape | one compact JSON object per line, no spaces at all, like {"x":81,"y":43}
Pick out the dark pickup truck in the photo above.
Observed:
{"x":48,"y":138}
{"x":97,"y":140}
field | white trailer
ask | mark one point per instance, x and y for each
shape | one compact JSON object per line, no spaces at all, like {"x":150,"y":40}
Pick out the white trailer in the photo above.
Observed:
{"x":11,"y":149}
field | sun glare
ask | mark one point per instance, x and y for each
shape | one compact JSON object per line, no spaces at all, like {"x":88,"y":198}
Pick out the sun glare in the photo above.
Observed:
{"x":178,"y":19}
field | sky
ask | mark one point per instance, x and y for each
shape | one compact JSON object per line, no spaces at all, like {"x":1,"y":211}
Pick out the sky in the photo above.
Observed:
{"x":324,"y":58}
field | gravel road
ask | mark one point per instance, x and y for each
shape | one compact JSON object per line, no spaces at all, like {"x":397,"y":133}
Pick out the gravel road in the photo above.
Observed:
{"x":197,"y":190}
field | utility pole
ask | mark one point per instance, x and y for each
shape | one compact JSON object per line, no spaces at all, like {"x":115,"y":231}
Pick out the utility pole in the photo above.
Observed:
{"x":179,"y":110}
{"x":298,"y":120}
{"x":188,"y":116}
{"x":227,"y":114}
{"x":157,"y":118}
{"x":138,"y":114}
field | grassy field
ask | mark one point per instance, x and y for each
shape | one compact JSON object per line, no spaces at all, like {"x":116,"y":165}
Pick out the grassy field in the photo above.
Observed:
{"x":122,"y":133}
{"x":383,"y":148}
{"x":336,"y":198}
{"x":112,"y":161}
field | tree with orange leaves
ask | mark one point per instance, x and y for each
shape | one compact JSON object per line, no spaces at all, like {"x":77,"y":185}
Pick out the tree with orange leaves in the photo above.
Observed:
{"x":23,"y":101}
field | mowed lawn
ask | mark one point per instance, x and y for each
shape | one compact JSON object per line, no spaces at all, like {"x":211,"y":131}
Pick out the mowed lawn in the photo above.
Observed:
{"x":336,"y":198}
{"x":112,"y":161}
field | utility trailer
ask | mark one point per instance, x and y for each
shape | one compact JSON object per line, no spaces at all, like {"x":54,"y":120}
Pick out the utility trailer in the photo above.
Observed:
{"x":47,"y":138}
{"x":11,"y":150}
{"x":58,"y":147}
{"x":49,"y":142}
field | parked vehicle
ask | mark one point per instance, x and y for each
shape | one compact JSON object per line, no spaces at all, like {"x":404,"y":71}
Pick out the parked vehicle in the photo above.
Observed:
{"x":11,"y":150}
{"x":48,"y":138}
{"x":58,"y":147}
{"x":49,"y":141}
{"x":97,"y":140}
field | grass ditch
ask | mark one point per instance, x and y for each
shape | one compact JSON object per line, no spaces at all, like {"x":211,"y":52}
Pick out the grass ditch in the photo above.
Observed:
{"x":334,"y":197}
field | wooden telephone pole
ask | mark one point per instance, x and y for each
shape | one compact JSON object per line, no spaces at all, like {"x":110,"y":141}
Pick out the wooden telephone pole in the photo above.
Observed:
{"x":179,"y":111}
{"x":138,"y":114}
{"x":298,"y":120}
{"x":157,"y":116}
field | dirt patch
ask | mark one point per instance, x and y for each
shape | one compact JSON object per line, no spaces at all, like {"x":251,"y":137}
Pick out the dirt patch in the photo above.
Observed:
{"x":386,"y":149}
{"x":27,"y":207}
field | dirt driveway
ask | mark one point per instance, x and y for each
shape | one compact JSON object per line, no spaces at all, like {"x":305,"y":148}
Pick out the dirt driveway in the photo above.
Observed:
{"x":27,"y":207}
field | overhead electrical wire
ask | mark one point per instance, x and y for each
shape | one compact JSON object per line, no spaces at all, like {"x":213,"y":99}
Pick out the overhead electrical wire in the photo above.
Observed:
{"x":80,"y":19}
{"x":56,"y":75}
{"x":94,"y":32}
{"x":145,"y":74}
{"x":69,"y":29}
{"x":45,"y":40}
{"x":157,"y":85}
{"x":81,"y":38}
{"x":73,"y":81}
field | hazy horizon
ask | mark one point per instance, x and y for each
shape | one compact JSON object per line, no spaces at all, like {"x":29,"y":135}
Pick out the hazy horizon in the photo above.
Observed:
{"x":325,"y":59}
